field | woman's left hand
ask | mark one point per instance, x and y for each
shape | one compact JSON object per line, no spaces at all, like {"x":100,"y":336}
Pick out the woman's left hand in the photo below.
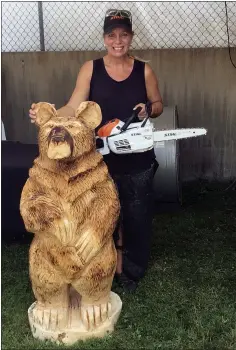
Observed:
{"x":142,"y":114}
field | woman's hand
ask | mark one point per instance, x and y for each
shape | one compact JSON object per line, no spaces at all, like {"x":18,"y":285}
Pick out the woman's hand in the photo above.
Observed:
{"x":32,"y":113}
{"x":142,"y":114}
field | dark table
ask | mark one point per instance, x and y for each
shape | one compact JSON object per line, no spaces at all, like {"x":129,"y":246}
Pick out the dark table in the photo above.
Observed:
{"x":17,"y":159}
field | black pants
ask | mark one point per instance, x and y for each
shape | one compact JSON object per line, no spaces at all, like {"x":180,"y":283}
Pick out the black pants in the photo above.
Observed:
{"x":136,"y":198}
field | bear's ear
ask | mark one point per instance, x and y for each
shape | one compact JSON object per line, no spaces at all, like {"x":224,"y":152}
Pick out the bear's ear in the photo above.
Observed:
{"x":90,"y":112}
{"x":44,"y":112}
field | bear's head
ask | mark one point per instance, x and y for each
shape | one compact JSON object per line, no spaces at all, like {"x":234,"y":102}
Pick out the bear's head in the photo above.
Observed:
{"x":67,"y":137}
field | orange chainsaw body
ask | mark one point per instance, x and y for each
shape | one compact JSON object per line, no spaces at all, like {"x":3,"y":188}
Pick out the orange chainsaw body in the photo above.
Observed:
{"x":106,"y":129}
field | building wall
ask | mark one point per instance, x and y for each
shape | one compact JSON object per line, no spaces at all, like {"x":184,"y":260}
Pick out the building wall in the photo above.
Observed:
{"x":200,"y":82}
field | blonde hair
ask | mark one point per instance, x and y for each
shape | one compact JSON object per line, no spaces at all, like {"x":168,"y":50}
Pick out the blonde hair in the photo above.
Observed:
{"x":138,"y":58}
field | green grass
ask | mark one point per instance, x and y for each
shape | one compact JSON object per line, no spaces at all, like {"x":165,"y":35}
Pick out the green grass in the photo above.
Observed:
{"x":186,"y":301}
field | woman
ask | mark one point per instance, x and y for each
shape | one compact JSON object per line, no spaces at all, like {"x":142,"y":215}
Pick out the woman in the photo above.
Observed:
{"x":119,"y":83}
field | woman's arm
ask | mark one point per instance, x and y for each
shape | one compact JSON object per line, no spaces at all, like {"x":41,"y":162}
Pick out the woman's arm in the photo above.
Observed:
{"x":80,"y":93}
{"x":153,"y":92}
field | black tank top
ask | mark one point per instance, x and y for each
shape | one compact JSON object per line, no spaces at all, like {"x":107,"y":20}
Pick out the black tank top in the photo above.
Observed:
{"x":117,"y":100}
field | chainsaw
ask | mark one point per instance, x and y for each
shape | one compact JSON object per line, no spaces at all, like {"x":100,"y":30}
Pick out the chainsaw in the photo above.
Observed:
{"x":135,"y":137}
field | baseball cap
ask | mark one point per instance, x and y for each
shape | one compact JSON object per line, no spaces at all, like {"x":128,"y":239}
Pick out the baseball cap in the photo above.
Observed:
{"x":116,"y":19}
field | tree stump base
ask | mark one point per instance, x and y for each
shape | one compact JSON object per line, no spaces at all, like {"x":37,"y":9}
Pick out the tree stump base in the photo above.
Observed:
{"x":64,"y":326}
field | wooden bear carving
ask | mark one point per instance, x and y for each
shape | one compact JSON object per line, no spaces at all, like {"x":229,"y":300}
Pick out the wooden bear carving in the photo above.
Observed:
{"x":71,"y":205}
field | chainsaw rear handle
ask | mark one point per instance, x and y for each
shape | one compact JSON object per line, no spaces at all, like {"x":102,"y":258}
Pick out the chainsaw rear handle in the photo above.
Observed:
{"x":130,"y":119}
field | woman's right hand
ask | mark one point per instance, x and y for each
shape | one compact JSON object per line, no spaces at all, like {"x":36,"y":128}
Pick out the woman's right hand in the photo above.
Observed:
{"x":32,"y":113}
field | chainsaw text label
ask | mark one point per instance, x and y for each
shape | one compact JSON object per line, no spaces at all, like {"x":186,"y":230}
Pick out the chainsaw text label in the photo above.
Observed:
{"x":170,"y":134}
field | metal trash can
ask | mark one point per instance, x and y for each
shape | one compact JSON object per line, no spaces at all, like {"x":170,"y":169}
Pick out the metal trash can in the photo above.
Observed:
{"x":167,"y":184}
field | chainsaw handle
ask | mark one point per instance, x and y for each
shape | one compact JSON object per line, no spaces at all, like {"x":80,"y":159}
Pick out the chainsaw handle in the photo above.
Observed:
{"x":130,"y":119}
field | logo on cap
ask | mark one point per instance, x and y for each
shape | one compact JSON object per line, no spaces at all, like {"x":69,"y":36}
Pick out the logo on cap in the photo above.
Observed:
{"x":117,"y":17}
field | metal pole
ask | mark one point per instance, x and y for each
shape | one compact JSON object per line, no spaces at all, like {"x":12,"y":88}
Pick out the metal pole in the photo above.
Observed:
{"x":41,"y":27}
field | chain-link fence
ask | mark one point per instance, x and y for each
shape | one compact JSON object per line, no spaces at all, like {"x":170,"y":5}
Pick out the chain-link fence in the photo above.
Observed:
{"x":68,"y":26}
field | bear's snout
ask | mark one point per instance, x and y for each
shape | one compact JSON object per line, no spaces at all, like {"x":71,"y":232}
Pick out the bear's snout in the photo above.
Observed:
{"x":59,"y":134}
{"x":60,"y":143}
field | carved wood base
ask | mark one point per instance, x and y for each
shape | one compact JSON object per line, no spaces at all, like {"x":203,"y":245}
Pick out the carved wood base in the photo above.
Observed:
{"x":65,"y":326}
